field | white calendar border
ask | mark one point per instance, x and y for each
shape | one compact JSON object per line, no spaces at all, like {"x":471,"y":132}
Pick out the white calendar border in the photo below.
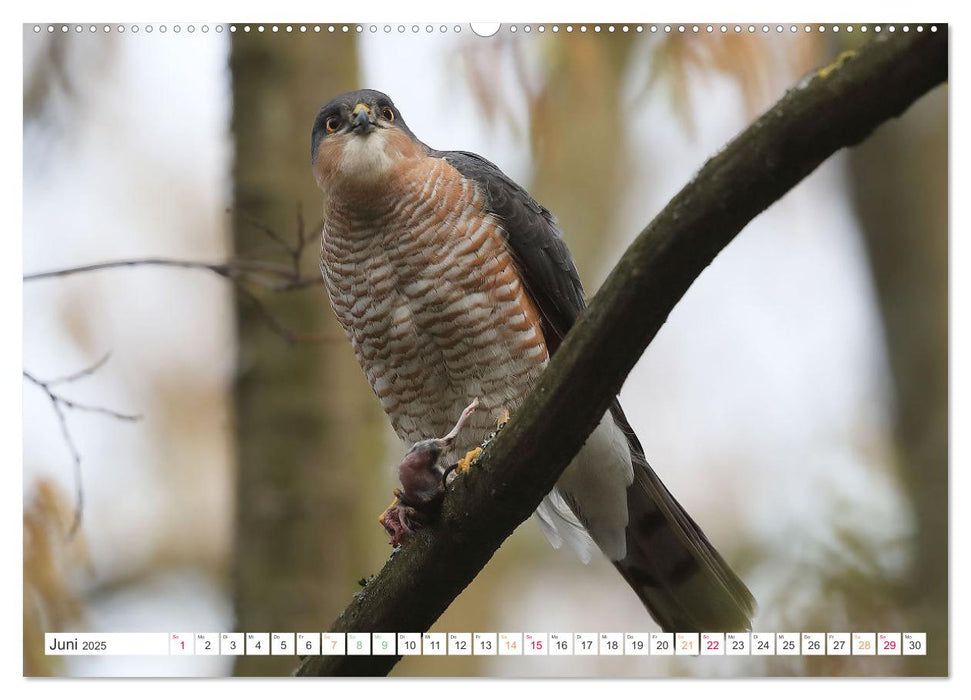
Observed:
{"x":380,"y":10}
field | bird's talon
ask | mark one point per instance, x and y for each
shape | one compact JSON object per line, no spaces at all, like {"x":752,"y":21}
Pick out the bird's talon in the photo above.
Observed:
{"x":383,"y":517}
{"x":463,"y":464}
{"x":400,"y":521}
{"x":448,"y":470}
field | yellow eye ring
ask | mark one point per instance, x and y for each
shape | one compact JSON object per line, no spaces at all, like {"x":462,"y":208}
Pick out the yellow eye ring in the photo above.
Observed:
{"x":332,"y":124}
{"x":388,"y":114}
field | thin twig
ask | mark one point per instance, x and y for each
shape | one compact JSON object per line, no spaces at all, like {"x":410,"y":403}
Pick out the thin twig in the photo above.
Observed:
{"x":266,"y":230}
{"x":290,"y":335}
{"x":231,"y":269}
{"x":244,"y":273}
{"x":86,"y":372}
{"x":59,"y":403}
{"x":76,"y":461}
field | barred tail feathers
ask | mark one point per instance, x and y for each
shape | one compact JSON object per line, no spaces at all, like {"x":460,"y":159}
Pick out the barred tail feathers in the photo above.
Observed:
{"x":673,"y":568}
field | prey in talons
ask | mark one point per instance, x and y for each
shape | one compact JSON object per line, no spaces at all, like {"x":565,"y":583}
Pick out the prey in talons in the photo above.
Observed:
{"x":423,"y":482}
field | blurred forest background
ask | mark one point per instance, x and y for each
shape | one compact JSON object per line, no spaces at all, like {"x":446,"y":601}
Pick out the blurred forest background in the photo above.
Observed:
{"x":795,"y":402}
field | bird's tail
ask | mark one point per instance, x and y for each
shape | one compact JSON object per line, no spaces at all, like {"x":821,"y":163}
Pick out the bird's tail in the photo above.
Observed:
{"x":671,"y":565}
{"x":674,"y":569}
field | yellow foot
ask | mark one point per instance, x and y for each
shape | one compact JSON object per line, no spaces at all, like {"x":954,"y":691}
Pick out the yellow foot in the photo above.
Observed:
{"x":382,"y":518}
{"x":464,"y":463}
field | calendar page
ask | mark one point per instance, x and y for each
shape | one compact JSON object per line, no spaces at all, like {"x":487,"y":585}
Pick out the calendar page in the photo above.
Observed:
{"x":526,"y":349}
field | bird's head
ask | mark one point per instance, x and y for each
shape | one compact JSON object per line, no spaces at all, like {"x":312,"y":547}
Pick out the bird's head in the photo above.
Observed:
{"x":358,"y":137}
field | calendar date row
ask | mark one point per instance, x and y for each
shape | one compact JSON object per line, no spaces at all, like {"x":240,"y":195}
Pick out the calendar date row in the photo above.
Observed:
{"x":490,"y":644}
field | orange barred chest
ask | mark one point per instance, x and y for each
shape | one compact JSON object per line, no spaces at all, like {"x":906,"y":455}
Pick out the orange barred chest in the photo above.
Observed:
{"x":433,"y":305}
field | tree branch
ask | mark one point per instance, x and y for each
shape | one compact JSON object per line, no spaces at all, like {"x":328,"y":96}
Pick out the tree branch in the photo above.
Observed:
{"x":836,"y":107}
{"x":244,"y":274}
{"x":59,"y":403}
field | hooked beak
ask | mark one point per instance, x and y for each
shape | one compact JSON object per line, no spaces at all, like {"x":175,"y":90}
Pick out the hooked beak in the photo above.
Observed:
{"x":361,"y":120}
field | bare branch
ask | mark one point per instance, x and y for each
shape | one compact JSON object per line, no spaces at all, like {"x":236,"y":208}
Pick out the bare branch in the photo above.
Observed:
{"x":87,"y":408}
{"x":86,"y":372}
{"x":245,"y":274}
{"x":265,"y":230}
{"x":236,"y":268}
{"x":837,"y":107}
{"x":59,"y":403}
{"x":75,"y":460}
{"x":290,"y":335}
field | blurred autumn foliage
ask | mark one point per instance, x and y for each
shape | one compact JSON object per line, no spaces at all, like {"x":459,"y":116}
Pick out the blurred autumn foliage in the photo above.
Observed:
{"x":52,"y":566}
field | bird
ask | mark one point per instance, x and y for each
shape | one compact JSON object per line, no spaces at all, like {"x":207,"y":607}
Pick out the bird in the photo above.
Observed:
{"x":452,"y":283}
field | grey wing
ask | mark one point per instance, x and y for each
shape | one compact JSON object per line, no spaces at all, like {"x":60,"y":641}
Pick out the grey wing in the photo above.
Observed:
{"x":535,"y":242}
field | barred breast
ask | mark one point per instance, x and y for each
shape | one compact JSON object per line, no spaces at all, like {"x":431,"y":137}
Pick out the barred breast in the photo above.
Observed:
{"x":422,"y":282}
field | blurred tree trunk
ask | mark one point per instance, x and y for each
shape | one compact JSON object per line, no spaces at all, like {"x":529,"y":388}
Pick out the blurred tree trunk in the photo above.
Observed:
{"x":306,"y":430}
{"x":900,"y":188}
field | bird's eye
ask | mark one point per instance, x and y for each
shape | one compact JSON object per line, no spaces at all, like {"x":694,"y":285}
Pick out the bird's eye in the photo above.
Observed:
{"x":388,"y":114}
{"x":332,"y":124}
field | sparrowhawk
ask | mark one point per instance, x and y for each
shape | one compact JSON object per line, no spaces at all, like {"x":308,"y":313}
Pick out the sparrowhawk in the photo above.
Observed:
{"x":452,"y":283}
